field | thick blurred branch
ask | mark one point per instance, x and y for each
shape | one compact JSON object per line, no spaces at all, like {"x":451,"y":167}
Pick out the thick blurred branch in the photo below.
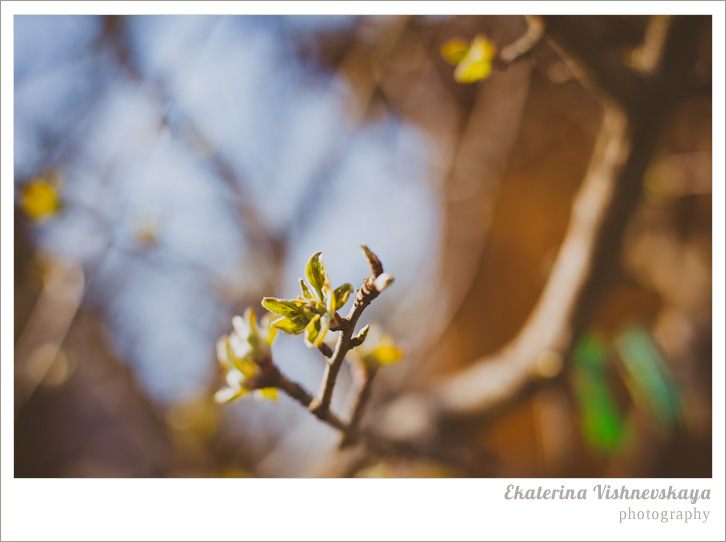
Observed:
{"x":636,"y":113}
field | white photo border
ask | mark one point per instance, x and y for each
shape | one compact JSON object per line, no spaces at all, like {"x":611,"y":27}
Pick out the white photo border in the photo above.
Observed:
{"x":271,"y":509}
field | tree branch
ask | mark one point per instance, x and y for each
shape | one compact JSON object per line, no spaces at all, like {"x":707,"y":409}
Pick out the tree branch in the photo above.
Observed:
{"x":362,"y":400}
{"x":373,"y":285}
{"x":590,"y":252}
{"x":523,"y":46}
{"x":584,"y":40}
{"x":297,"y":392}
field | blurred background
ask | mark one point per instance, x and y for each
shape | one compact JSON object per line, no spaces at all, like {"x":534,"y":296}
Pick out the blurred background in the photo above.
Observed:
{"x":171,"y":171}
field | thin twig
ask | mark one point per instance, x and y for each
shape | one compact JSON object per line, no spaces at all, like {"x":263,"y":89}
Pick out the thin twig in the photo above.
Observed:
{"x":372,"y":286}
{"x":297,"y":392}
{"x":524,"y":45}
{"x":584,"y":43}
{"x":362,"y":400}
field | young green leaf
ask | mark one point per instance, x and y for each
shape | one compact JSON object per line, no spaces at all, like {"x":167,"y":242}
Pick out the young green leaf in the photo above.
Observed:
{"x":290,"y":326}
{"x":315,"y":272}
{"x":283,"y":307}
{"x":341,"y":295}
{"x":307,"y":294}
{"x":477,"y":64}
{"x":312,"y":332}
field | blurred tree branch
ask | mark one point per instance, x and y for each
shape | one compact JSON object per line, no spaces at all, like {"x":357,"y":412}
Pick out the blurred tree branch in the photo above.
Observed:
{"x":637,"y":108}
{"x":523,"y":46}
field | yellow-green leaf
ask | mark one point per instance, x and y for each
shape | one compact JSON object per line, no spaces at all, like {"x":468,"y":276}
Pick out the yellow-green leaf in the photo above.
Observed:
{"x":245,"y":366}
{"x":341,"y":295}
{"x":251,"y":318}
{"x":316,"y":330}
{"x":292,"y":327}
{"x":227,"y":395}
{"x":312,"y":331}
{"x":477,"y":64}
{"x":315,"y":272}
{"x":305,"y":290}
{"x":454,"y":50}
{"x":283,"y":307}
{"x":472,"y":70}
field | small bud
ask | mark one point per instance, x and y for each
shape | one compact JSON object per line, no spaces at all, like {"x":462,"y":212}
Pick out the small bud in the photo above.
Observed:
{"x":383,"y":281}
{"x":376,"y":265}
{"x":325,"y":350}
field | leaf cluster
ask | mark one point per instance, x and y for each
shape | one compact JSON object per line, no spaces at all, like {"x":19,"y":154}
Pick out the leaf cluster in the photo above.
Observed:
{"x":315,"y":310}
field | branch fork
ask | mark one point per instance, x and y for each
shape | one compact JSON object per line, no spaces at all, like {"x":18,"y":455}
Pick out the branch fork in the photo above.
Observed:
{"x":372,"y":286}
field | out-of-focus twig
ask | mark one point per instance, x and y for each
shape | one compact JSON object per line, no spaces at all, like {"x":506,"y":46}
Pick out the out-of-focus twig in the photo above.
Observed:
{"x":364,"y":394}
{"x":584,"y":44}
{"x":524,"y":45}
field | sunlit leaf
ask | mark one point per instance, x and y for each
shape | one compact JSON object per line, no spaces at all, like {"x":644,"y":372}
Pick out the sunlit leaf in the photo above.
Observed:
{"x":39,"y":199}
{"x":291,"y":326}
{"x":341,"y":294}
{"x":316,"y":330}
{"x":454,"y":50}
{"x":251,"y":318}
{"x":331,"y":304}
{"x":477,"y":64}
{"x":245,"y":367}
{"x":379,"y":348}
{"x":283,"y":307}
{"x":315,"y":272}
{"x":472,"y":69}
{"x":312,"y":331}
{"x":226,"y":395}
{"x":307,"y":294}
{"x":271,"y":331}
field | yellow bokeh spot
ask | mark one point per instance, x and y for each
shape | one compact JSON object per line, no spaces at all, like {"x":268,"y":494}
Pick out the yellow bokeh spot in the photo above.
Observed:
{"x":387,"y":354}
{"x":39,"y":199}
{"x":473,"y":61}
{"x":454,"y":50}
{"x":268,"y":393}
